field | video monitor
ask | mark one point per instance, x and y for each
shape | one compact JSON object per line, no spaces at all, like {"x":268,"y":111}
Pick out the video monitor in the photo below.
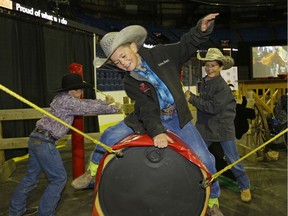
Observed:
{"x":268,"y":61}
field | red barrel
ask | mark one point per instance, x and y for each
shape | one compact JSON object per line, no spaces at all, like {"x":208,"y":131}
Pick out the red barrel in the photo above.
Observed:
{"x":151,"y":181}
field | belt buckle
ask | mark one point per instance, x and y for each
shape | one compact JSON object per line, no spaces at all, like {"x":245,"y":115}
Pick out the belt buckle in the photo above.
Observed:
{"x":168,"y":111}
{"x":45,"y":133}
{"x":40,"y":131}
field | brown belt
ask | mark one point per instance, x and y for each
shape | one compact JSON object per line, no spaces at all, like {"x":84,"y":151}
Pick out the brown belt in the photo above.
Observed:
{"x":45,"y":133}
{"x":168,"y":111}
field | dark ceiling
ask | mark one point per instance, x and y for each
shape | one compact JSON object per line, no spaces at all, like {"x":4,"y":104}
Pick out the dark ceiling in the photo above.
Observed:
{"x":184,"y":13}
{"x":170,"y":13}
{"x":268,"y":18}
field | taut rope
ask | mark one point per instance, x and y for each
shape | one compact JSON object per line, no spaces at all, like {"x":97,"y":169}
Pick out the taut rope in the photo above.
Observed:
{"x":107,"y":148}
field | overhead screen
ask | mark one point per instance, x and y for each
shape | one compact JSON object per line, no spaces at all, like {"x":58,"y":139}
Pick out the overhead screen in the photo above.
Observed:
{"x":268,"y":61}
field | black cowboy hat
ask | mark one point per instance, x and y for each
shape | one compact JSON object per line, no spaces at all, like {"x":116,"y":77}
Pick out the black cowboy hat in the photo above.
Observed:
{"x":72,"y":81}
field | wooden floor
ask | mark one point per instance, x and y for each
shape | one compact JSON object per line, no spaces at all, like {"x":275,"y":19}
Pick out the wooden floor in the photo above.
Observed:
{"x":268,"y":179}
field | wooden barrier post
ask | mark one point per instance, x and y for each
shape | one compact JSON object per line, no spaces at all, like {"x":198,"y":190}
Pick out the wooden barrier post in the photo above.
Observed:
{"x":6,"y":167}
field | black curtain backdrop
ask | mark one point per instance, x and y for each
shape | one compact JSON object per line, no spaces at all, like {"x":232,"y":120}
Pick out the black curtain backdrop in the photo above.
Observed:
{"x":33,"y":57}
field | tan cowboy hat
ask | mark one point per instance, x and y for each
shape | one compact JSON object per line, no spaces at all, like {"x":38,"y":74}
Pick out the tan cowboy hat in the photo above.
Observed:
{"x":112,"y":40}
{"x":72,"y":81}
{"x":215,"y":54}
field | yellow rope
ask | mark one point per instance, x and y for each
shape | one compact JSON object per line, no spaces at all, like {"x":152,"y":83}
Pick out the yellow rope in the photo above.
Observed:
{"x":110,"y":150}
{"x":101,"y":92}
{"x":183,"y":87}
{"x":121,"y":109}
{"x":216,"y":175}
{"x":24,"y":157}
{"x":107,"y":148}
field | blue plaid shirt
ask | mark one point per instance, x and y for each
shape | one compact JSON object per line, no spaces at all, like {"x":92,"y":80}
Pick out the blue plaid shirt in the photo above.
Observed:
{"x":164,"y":95}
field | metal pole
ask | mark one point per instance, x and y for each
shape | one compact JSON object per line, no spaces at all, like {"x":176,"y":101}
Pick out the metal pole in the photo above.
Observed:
{"x":94,"y":65}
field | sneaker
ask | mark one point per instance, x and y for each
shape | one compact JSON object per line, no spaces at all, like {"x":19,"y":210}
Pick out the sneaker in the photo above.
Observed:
{"x":246,"y":195}
{"x":84,"y":181}
{"x":214,"y":211}
{"x":90,"y":185}
{"x":30,"y":211}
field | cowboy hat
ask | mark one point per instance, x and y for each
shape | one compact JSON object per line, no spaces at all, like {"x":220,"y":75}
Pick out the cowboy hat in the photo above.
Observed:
{"x":72,"y":81}
{"x":112,"y":40}
{"x":214,"y":54}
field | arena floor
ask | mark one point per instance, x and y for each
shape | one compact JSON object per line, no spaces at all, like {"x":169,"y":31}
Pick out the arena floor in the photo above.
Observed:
{"x":268,"y":179}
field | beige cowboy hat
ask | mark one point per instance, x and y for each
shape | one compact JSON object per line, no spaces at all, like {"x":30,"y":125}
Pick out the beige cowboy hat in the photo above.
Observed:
{"x":112,"y":40}
{"x":215,"y":54}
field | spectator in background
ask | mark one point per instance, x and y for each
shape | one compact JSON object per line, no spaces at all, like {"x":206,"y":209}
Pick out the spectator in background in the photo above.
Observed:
{"x":277,"y":122}
{"x":216,"y":110}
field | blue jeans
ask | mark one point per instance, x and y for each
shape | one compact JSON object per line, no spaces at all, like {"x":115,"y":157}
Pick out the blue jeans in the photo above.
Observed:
{"x":189,"y":134}
{"x":43,"y":156}
{"x":231,"y":155}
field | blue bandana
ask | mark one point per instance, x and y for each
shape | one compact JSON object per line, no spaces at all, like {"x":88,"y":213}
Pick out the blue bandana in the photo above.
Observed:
{"x":164,"y":95}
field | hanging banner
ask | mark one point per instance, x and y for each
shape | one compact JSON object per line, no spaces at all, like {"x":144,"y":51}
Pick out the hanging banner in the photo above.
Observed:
{"x":50,"y":17}
{"x":32,"y":11}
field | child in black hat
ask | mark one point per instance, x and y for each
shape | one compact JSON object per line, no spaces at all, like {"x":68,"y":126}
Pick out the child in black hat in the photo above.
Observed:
{"x":43,"y":154}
